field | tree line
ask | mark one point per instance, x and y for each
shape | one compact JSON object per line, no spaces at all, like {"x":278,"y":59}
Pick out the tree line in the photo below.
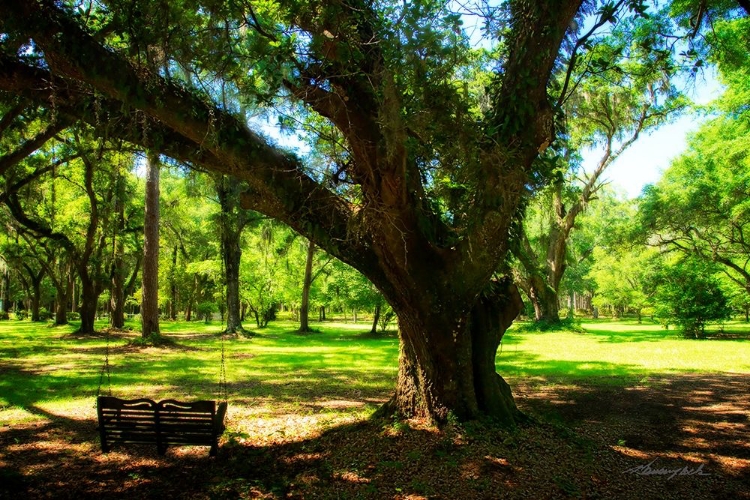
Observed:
{"x":199,"y":235}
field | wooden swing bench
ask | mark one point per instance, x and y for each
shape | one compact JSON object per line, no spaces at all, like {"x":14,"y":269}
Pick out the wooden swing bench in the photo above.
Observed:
{"x":168,"y":422}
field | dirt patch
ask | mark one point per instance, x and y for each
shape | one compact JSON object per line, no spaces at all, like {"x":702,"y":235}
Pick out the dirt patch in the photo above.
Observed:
{"x":665,"y":437}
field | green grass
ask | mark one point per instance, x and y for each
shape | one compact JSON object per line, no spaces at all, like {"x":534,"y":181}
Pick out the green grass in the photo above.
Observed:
{"x":46,"y":371}
{"x":621,"y":349}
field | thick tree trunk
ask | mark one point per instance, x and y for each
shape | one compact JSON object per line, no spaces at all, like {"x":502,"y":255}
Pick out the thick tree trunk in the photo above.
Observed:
{"x":89,"y":299}
{"x":61,"y":305}
{"x":304,"y":310}
{"x":231,"y":232}
{"x":150,"y":298}
{"x":447,"y":364}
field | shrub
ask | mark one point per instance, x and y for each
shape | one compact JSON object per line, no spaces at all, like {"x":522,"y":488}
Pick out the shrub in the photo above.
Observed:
{"x":206,"y":310}
{"x":689,"y":296}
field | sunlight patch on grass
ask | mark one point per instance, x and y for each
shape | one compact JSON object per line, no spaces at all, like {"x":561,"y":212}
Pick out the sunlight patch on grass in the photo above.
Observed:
{"x":618,"y":349}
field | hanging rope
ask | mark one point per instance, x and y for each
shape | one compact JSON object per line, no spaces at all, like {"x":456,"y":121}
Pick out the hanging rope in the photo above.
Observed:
{"x":105,"y":369}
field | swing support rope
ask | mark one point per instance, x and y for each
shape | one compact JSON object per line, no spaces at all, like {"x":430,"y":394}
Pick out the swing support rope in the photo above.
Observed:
{"x":106,"y":370}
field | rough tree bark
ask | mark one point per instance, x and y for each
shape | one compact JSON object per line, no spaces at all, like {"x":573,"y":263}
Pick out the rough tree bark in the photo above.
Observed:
{"x":458,"y":377}
{"x":150,"y":297}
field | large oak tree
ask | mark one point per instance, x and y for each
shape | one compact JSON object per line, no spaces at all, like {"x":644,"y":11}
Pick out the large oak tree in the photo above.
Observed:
{"x":433,"y":171}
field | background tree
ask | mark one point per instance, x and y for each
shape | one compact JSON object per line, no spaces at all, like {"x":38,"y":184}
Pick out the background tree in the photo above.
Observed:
{"x":628,"y":91}
{"x":50,"y":203}
{"x":700,"y":206}
{"x":689,"y":295}
{"x":232,"y":221}
{"x":264,"y":266}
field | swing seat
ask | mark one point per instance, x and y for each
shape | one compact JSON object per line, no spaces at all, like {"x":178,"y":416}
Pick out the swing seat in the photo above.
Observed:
{"x":164,"y":423}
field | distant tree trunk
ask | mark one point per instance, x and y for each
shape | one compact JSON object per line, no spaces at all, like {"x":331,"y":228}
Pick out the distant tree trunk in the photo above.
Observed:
{"x":322,"y":313}
{"x":544,"y":299}
{"x":61,"y":306}
{"x":150,"y":298}
{"x":375,"y":319}
{"x":89,"y":300}
{"x":73,"y":292}
{"x":304,"y":309}
{"x":6,"y":293}
{"x":233,"y":220}
{"x":35,"y":300}
{"x":130,"y":285}
{"x":62,"y":291}
{"x":191,"y":300}
{"x":117,"y":273}
{"x":117,"y":299}
{"x":36,"y":278}
{"x":173,"y":286}
{"x":232,"y":256}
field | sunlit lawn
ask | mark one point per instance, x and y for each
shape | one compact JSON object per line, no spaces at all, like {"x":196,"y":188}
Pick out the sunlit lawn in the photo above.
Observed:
{"x":621,"y":349}
{"x":337,"y":374}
